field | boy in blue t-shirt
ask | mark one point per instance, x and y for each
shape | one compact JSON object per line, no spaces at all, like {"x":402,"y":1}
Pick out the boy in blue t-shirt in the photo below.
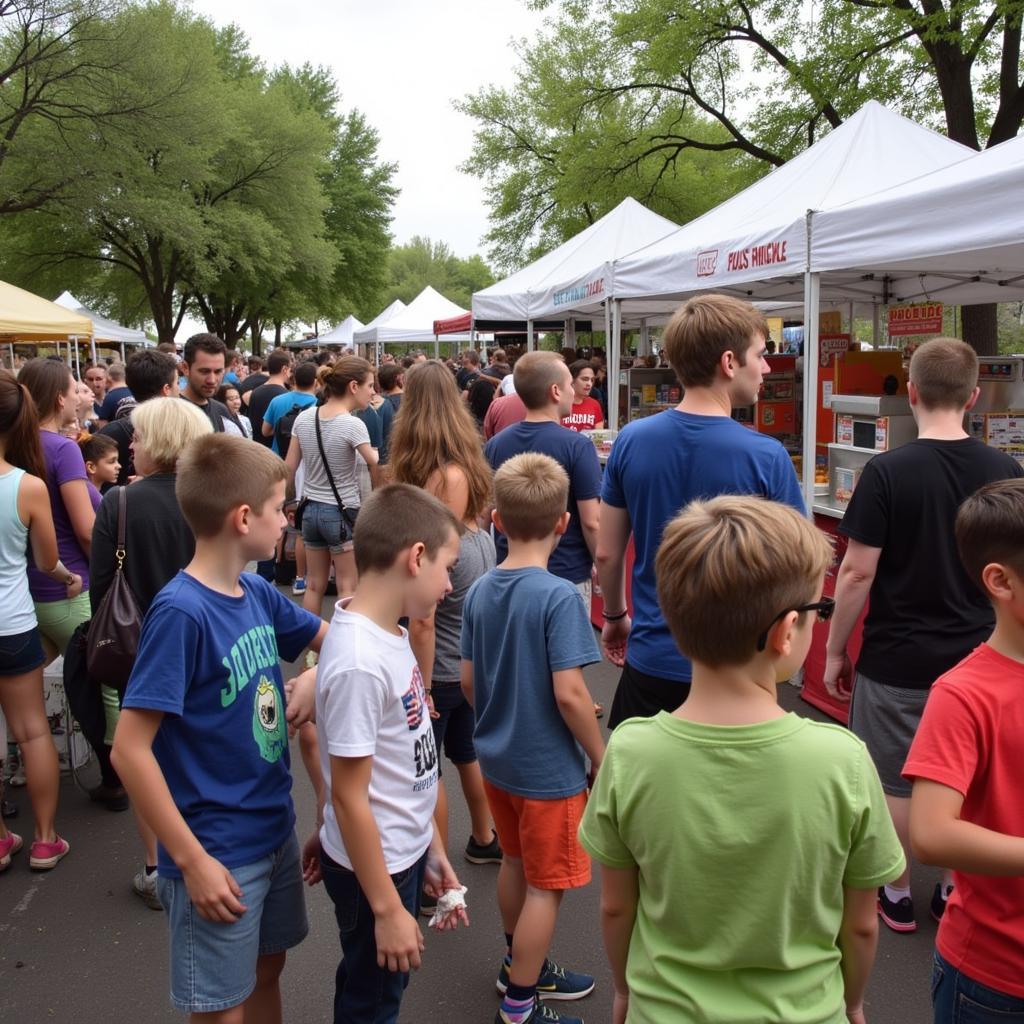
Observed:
{"x":525,"y":638}
{"x":202,"y":744}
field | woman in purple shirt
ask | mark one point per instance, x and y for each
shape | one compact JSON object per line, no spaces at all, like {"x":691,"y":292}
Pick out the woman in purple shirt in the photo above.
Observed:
{"x":54,"y":392}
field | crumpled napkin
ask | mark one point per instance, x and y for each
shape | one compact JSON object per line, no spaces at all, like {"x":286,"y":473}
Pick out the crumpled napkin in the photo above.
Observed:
{"x":451,"y":899}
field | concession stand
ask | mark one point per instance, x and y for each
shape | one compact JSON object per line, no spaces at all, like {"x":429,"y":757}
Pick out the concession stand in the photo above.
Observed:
{"x":880,"y":213}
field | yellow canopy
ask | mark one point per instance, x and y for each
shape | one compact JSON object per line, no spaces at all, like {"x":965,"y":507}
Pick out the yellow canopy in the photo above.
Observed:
{"x":24,"y":315}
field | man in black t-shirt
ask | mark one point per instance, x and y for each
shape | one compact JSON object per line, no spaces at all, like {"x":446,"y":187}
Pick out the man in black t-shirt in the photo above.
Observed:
{"x":925,"y":614}
{"x":279,"y":363}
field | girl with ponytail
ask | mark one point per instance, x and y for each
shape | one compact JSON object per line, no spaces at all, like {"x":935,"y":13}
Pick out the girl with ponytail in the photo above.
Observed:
{"x":346,"y":387}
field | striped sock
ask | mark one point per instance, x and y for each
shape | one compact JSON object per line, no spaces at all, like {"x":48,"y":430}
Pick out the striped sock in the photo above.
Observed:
{"x":517,"y":1003}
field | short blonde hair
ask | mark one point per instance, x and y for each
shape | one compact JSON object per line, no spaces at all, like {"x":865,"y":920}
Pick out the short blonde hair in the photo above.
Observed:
{"x":219,"y":472}
{"x":533,"y":376}
{"x":531,"y":492}
{"x":703,"y":329}
{"x":728,"y":566}
{"x":945,"y":373}
{"x":167,"y":426}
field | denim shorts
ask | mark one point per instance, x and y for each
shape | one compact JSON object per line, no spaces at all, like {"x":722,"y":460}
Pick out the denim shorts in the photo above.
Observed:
{"x":213,"y":964}
{"x":958,"y":999}
{"x":20,"y":653}
{"x":324,"y":525}
{"x":454,"y":725}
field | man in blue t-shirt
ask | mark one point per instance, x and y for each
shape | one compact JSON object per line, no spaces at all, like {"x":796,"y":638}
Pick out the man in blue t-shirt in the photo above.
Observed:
{"x":544,"y":384}
{"x":303,"y":396}
{"x":716,"y":345}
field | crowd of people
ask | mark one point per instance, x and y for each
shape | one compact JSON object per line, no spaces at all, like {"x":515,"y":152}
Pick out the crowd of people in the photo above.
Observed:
{"x":462,"y":516}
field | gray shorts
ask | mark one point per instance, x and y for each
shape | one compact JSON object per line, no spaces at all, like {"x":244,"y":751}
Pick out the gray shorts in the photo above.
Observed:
{"x":886,"y":719}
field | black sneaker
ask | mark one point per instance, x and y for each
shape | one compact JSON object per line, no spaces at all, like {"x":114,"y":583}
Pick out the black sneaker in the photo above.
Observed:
{"x":541,"y":1014}
{"x":484,"y":853}
{"x":428,"y":904}
{"x":7,"y":809}
{"x":939,"y":901}
{"x":898,"y":915}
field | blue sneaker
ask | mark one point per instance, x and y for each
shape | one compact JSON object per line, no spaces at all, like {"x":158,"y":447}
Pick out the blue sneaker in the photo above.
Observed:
{"x":555,"y":982}
{"x":541,"y":1014}
{"x":299,"y":586}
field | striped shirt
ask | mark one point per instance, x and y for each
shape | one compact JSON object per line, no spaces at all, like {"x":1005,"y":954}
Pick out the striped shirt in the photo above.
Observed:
{"x":341,"y":436}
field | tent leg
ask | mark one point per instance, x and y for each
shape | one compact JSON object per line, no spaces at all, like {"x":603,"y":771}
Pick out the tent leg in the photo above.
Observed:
{"x":437,"y":347}
{"x":613,"y":355}
{"x":812,"y":301}
{"x":122,"y":353}
{"x":529,"y":335}
{"x":78,"y":365}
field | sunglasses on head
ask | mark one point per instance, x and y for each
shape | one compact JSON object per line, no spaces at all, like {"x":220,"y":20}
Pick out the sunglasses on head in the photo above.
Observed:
{"x":825,"y":607}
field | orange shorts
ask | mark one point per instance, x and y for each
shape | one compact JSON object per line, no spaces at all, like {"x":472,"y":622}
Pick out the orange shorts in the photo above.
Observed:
{"x":542,"y":834}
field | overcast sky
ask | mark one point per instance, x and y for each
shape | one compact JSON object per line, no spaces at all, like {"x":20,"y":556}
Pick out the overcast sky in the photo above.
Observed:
{"x":401,"y":62}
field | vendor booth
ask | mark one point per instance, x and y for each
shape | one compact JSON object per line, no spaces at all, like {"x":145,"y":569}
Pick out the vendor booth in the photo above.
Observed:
{"x":880,"y":211}
{"x":411,"y":325}
{"x":342,"y":334}
{"x":106,"y":333}
{"x":27,"y":317}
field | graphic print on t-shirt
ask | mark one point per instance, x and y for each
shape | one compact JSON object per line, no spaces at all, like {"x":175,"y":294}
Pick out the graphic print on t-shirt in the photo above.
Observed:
{"x":414,"y":701}
{"x":252,"y":653}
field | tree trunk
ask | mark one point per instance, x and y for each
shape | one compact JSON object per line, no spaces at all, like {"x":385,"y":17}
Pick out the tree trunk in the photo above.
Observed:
{"x":257,"y":338}
{"x":278,"y":324}
{"x":981,"y":328}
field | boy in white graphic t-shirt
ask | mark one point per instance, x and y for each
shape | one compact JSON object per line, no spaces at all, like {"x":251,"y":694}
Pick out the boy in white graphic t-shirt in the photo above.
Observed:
{"x":377,"y":752}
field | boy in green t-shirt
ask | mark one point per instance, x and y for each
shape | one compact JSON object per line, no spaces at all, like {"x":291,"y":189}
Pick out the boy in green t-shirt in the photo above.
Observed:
{"x":741,"y":846}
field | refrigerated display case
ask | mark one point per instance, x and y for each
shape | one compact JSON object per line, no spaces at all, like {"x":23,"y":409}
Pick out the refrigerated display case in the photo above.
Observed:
{"x":648,"y":390}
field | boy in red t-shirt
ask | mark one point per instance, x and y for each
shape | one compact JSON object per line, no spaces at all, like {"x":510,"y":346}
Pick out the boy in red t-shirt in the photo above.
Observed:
{"x":967,"y":809}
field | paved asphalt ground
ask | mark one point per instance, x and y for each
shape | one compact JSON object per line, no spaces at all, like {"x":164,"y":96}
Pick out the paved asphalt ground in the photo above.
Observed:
{"x":77,"y":946}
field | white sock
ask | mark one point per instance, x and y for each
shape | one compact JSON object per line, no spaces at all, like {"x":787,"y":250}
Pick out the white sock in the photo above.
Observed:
{"x":894,"y":894}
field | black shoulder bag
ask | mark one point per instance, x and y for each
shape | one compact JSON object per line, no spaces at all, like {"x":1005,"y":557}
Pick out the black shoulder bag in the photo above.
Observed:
{"x":115,"y":628}
{"x":348,"y":514}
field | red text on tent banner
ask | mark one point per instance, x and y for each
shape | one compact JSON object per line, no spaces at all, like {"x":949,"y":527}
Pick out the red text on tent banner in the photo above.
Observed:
{"x":921,"y":318}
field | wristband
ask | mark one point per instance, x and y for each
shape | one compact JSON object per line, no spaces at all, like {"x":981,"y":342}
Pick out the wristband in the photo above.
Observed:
{"x":614,"y":618}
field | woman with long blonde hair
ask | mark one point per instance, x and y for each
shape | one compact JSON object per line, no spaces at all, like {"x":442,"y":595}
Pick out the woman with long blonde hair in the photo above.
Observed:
{"x":435,"y":445}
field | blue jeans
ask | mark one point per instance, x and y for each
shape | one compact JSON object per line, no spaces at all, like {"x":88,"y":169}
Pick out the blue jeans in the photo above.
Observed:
{"x":363,"y":992}
{"x":957,"y":999}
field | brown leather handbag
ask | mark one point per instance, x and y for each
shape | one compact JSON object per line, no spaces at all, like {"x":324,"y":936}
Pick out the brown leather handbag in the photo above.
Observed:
{"x":115,"y":628}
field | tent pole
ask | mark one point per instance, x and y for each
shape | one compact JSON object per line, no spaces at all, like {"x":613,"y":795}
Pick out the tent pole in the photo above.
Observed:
{"x":615,"y":412}
{"x":852,"y":335}
{"x":812,"y":300}
{"x":10,"y":345}
{"x":122,"y":353}
{"x":92,"y":347}
{"x":78,"y":367}
{"x":437,"y":346}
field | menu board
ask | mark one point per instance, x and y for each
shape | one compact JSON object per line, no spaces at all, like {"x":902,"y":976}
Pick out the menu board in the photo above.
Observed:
{"x":1005,"y":431}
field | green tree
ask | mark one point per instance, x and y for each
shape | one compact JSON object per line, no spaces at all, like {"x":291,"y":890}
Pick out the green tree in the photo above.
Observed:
{"x":421,"y":262}
{"x":559,"y":149}
{"x":216,"y":193}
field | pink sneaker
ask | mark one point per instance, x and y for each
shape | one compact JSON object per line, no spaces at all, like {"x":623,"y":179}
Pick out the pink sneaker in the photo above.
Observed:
{"x":8,"y":848}
{"x":44,"y":856}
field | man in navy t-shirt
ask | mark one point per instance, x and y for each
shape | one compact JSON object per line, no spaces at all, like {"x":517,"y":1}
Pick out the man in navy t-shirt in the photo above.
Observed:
{"x":716,"y":345}
{"x":544,"y":384}
{"x":118,"y":398}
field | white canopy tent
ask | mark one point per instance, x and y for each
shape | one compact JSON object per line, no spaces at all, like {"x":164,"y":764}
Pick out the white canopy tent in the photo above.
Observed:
{"x":758,"y":245}
{"x":342,"y":333}
{"x":104,"y":329}
{"x":954,"y":235}
{"x":413,"y":324}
